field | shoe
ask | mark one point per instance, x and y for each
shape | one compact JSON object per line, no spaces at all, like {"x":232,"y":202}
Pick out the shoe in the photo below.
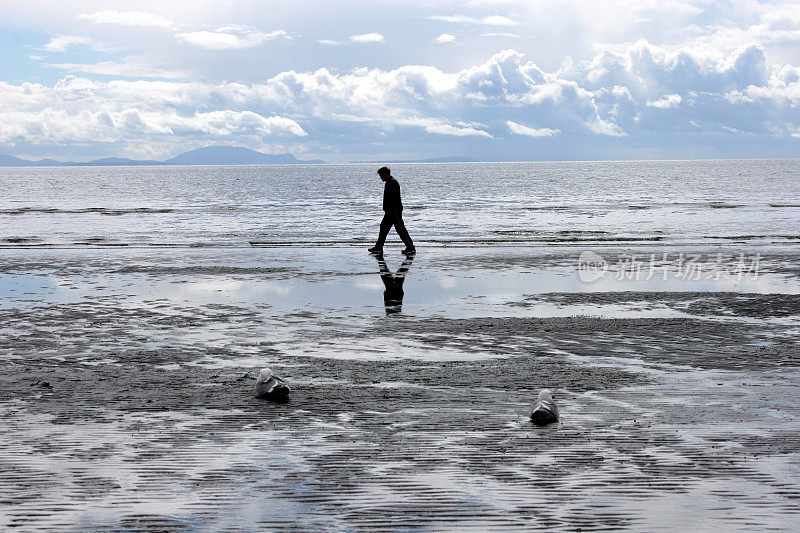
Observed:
{"x":410,"y":251}
{"x":376,"y":250}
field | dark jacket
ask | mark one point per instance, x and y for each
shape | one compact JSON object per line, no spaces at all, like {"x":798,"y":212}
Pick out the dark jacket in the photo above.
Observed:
{"x":391,"y":196}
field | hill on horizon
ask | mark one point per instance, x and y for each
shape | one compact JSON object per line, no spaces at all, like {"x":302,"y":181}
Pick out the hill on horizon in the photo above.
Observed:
{"x":232,"y":155}
{"x":209,"y":155}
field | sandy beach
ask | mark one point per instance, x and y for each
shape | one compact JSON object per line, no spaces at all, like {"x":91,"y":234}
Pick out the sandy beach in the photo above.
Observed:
{"x":402,"y":266}
{"x":126,"y":397}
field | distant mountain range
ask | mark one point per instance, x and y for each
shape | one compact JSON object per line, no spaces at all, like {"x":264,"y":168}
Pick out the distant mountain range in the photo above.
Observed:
{"x":210,"y":155}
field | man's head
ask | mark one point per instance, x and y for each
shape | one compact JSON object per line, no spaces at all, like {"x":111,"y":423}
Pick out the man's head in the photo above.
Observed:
{"x":384,"y":173}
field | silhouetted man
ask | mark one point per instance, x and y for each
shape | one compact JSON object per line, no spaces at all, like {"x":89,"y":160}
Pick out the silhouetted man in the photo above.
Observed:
{"x":393,"y":295}
{"x":392,"y":214}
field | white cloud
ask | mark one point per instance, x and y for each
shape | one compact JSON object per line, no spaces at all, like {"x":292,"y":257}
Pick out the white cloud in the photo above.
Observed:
{"x":84,"y":125}
{"x":491,"y":20}
{"x":367,"y":38}
{"x":447,"y":129}
{"x":445,"y":38}
{"x":227,"y":122}
{"x":620,"y":92}
{"x":671,"y":100}
{"x":442,"y":127}
{"x":131,"y":67}
{"x":60,"y":43}
{"x":364,"y":38}
{"x":604,"y":127}
{"x":771,"y":30}
{"x":498,"y":20}
{"x":229,"y":38}
{"x":520,"y":129}
{"x":128,"y":18}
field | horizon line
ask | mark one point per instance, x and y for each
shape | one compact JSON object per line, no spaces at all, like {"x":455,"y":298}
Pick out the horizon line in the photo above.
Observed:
{"x":399,"y":162}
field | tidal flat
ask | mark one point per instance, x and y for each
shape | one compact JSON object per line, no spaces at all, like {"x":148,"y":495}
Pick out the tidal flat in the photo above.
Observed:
{"x":126,"y":393}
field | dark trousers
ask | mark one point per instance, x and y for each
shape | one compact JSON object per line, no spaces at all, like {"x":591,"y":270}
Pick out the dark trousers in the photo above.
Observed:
{"x":394,"y":219}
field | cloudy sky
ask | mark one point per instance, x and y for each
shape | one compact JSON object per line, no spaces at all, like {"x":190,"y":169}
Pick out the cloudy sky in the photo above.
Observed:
{"x":356,"y":80}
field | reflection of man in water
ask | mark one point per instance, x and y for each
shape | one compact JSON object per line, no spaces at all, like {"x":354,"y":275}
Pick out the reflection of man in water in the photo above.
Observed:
{"x":392,"y":214}
{"x":393,"y":295}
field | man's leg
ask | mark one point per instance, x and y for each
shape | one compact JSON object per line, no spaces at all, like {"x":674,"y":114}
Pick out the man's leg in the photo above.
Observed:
{"x":400,"y":227}
{"x":386,"y":225}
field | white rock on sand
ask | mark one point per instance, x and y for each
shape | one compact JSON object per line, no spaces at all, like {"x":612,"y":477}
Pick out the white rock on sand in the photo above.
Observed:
{"x":545,"y":410}
{"x":271,"y":387}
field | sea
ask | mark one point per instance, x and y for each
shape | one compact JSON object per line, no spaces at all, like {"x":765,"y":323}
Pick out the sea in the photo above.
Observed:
{"x":697,"y":202}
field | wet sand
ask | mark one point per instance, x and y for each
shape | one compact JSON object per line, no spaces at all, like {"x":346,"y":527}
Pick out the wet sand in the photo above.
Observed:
{"x":126,"y":397}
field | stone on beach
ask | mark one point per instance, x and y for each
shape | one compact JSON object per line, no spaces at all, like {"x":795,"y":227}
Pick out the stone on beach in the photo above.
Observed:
{"x":545,"y":410}
{"x":271,"y":387}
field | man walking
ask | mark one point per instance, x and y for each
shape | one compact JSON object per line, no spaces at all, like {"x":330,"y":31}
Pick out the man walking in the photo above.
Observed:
{"x":393,"y":214}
